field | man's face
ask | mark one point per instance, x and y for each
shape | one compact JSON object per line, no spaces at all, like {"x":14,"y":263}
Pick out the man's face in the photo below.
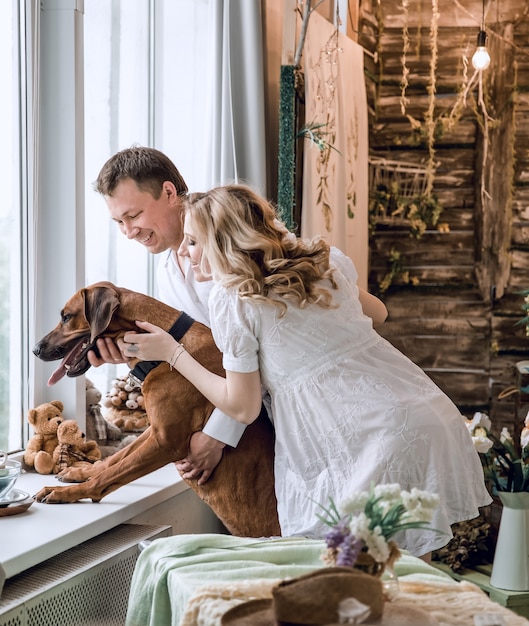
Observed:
{"x":156,"y":224}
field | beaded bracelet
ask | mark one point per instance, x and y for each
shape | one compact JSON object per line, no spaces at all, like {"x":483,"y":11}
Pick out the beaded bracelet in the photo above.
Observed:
{"x":180,"y":349}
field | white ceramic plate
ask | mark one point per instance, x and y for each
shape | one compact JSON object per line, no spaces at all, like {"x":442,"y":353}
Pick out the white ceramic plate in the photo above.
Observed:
{"x":13,"y":496}
{"x":15,"y":502}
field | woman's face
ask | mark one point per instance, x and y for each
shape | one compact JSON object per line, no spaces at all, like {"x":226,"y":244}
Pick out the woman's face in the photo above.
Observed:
{"x":191,"y":249}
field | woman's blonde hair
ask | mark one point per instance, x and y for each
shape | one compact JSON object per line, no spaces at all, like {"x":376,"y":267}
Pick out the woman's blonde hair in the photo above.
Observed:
{"x":247,"y":248}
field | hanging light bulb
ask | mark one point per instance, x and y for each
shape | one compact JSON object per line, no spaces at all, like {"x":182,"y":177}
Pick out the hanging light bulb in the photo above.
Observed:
{"x":481,"y":58}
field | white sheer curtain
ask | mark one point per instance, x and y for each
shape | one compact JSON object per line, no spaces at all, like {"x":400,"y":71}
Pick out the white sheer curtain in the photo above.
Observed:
{"x":210,"y":114}
{"x":236,"y":94}
{"x":183,"y":76}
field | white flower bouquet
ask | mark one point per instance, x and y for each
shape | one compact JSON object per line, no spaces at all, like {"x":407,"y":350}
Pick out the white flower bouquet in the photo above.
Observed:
{"x":362,"y":526}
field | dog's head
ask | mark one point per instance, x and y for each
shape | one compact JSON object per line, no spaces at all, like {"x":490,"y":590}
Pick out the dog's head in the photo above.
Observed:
{"x":85,"y":317}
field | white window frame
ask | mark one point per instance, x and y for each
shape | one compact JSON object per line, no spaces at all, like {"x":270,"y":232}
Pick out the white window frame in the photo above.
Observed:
{"x":56,"y":219}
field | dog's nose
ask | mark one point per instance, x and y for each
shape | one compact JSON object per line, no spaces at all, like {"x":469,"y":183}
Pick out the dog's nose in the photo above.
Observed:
{"x":36,"y":349}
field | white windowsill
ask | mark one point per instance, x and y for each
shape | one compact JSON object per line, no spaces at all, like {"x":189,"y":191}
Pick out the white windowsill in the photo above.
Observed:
{"x":45,"y":530}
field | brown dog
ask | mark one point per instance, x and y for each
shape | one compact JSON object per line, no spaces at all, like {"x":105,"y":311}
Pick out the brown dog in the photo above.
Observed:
{"x":241,"y":490}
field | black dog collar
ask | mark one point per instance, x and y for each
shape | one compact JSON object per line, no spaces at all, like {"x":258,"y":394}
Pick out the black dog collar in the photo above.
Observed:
{"x":178,"y":330}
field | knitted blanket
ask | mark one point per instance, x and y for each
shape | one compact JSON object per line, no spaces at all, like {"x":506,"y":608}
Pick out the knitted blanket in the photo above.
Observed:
{"x":450,"y":603}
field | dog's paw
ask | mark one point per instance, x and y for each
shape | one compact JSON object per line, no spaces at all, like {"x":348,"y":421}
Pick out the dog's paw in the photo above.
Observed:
{"x":50,"y":495}
{"x":73,"y":475}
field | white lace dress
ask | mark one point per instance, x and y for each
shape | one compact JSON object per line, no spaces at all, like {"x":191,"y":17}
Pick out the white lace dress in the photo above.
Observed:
{"x":348,"y":409}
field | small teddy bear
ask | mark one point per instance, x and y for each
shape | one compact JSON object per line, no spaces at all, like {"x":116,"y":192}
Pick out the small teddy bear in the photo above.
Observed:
{"x":45,"y":420}
{"x":107,"y":435}
{"x":73,"y":449}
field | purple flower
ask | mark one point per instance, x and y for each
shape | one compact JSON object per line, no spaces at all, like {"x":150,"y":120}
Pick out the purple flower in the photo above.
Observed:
{"x":338,"y":533}
{"x":348,"y":551}
{"x":343,"y":543}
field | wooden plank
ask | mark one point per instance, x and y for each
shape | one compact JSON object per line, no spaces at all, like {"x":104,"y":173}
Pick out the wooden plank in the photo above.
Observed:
{"x":462,"y":196}
{"x":397,"y":133}
{"x":520,"y":259}
{"x":414,"y":327}
{"x":520,"y":233}
{"x":413,"y":304}
{"x":454,"y":14}
{"x":521,"y":175}
{"x":289,"y":32}
{"x":447,"y":353}
{"x":453,"y":248}
{"x":456,"y":276}
{"x":508,"y":336}
{"x":469,"y":391}
{"x":503,"y":370}
{"x":388,"y":107}
{"x":457,"y":218}
{"x":520,"y":203}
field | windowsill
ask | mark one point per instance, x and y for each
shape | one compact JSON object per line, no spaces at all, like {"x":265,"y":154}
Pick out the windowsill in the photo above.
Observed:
{"x":45,"y":530}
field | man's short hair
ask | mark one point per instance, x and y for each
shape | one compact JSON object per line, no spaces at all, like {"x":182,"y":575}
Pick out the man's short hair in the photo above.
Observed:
{"x":147,"y":167}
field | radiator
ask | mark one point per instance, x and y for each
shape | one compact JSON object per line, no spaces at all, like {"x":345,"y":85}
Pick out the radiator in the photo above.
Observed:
{"x":85,"y":586}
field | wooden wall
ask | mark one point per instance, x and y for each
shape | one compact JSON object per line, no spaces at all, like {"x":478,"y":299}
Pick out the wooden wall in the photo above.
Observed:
{"x":458,"y":322}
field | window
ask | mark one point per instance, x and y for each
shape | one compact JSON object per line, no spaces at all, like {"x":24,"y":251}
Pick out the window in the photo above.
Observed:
{"x":118,"y":99}
{"x":12,"y":364}
{"x":82,"y":80}
{"x":140,"y":88}
{"x":128,"y":98}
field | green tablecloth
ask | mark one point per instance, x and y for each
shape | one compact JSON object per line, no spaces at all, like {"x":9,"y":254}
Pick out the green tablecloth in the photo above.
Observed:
{"x":172,"y":570}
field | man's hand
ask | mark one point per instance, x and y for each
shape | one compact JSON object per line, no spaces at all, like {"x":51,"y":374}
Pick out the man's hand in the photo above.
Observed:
{"x":108,"y":353}
{"x":203,"y":457}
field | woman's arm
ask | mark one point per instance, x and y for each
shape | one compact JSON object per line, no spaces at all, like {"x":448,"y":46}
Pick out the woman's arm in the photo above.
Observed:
{"x":372,"y":307}
{"x":239,"y":395}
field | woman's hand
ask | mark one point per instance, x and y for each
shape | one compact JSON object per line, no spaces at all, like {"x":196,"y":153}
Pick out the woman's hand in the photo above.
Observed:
{"x":153,"y":345}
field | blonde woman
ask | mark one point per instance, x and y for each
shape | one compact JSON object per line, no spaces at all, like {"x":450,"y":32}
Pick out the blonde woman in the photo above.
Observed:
{"x":348,"y":408}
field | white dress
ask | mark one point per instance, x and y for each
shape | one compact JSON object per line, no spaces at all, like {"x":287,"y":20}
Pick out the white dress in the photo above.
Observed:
{"x":349,"y":409}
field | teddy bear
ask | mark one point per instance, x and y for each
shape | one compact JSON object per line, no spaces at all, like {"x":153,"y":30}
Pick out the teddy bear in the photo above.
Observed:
{"x":125,"y":406}
{"x":45,"y":420}
{"x":73,"y":449}
{"x":108,"y":436}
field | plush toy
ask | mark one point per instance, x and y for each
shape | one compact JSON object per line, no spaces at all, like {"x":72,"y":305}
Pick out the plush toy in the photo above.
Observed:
{"x":73,"y":449}
{"x":125,"y":406}
{"x":108,"y":436}
{"x":45,"y":420}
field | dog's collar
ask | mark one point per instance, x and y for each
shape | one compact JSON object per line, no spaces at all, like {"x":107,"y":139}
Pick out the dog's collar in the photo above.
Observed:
{"x":178,"y":330}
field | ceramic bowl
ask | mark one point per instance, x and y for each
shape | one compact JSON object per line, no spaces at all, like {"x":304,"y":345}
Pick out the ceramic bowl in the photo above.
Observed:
{"x":8,"y":476}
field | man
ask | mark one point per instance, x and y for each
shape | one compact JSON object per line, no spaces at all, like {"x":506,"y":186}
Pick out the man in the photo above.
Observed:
{"x":143,"y":191}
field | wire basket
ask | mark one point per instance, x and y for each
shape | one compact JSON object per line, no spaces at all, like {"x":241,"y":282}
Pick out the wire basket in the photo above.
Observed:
{"x":393,"y":187}
{"x":407,"y":180}
{"x":399,"y":196}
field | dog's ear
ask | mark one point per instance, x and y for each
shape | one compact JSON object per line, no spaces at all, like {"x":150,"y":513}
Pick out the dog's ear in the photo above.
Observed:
{"x":99,"y":306}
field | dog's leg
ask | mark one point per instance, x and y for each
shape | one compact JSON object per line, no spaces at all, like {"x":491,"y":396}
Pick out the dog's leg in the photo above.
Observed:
{"x":145,"y":458}
{"x":173,"y":420}
{"x":79,"y":475}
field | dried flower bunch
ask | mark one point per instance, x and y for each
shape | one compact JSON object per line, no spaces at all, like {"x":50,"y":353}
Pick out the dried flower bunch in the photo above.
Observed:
{"x":473,"y":543}
{"x":364,"y":524}
{"x":505,"y":464}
